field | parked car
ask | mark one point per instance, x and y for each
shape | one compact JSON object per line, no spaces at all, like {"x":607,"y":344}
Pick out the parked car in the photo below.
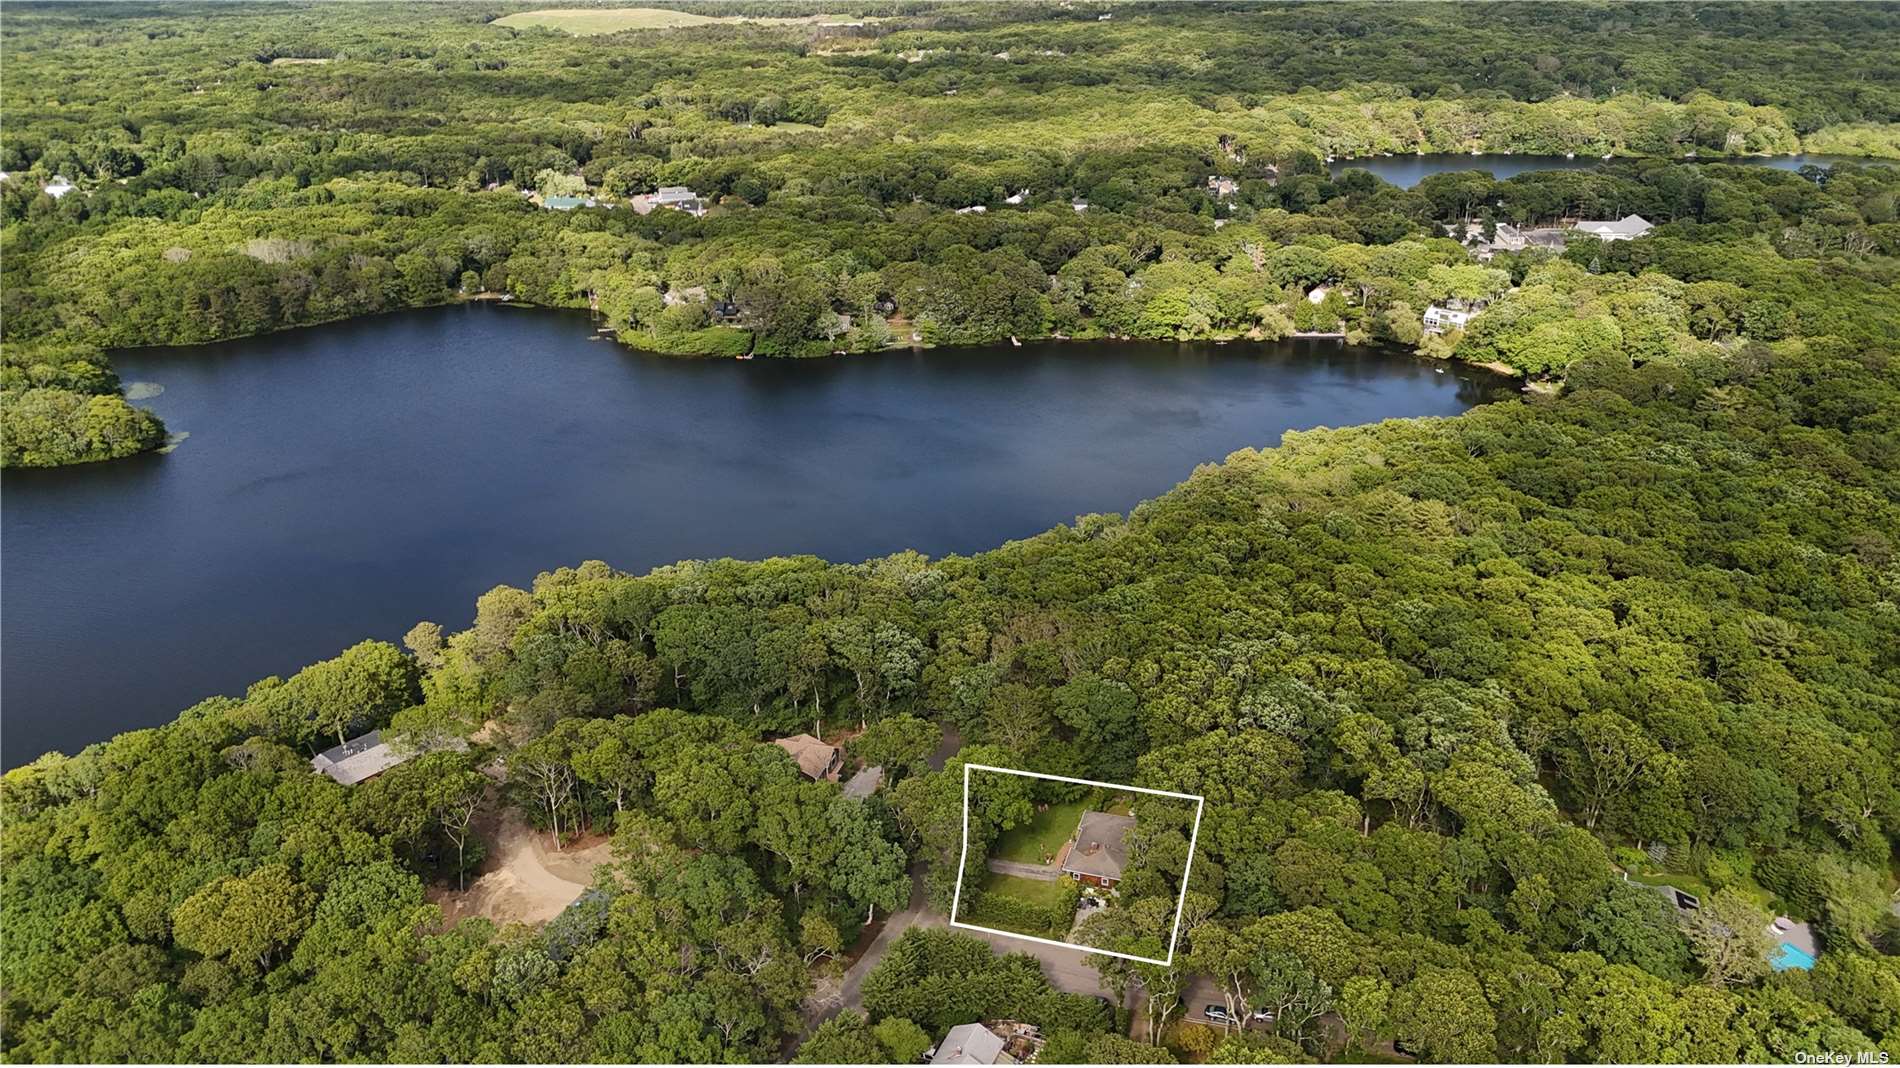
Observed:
{"x":1217,"y":1013}
{"x":1261,"y":1016}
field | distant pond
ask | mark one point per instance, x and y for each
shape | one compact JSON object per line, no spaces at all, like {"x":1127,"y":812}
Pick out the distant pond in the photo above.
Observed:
{"x":346,"y":481}
{"x":1407,"y":171}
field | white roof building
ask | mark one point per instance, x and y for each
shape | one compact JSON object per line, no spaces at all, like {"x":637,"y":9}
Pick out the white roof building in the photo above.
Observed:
{"x":677,"y":197}
{"x":369,"y":756}
{"x":58,"y":187}
{"x":971,"y":1043}
{"x":1624,"y":229}
{"x":1440,"y":318}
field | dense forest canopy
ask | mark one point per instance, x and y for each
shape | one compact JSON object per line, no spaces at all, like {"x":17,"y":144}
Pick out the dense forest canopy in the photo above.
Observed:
{"x":1439,"y":680}
{"x":1465,"y":697}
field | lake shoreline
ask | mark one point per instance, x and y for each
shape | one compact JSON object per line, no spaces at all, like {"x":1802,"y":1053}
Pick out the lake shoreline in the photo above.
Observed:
{"x":344,"y":483}
{"x":502,"y":301}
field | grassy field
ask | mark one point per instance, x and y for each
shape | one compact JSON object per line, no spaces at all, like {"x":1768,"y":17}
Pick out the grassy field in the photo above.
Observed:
{"x":1036,"y":842}
{"x":1039,"y":907}
{"x":586,"y":22}
{"x":1042,"y":893}
{"x":590,"y":22}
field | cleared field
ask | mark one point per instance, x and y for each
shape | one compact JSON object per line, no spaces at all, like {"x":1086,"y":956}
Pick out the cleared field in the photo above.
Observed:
{"x":1037,"y":841}
{"x":1041,"y":893}
{"x":586,"y":22}
{"x":590,"y":22}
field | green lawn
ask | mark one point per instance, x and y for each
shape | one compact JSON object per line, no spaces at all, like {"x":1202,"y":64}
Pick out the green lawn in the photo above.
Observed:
{"x":1041,"y":893}
{"x":1038,"y":907}
{"x":1037,"y":841}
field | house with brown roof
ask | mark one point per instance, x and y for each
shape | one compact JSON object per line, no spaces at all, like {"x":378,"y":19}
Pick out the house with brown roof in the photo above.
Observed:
{"x":1098,"y":853}
{"x":814,"y":757}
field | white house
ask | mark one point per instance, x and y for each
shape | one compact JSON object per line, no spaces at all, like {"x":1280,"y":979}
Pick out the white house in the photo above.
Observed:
{"x":368,"y":756}
{"x":58,"y":187}
{"x":974,"y":209}
{"x":1440,"y":318}
{"x":677,"y":197}
{"x":1624,"y":229}
{"x":1016,"y":197}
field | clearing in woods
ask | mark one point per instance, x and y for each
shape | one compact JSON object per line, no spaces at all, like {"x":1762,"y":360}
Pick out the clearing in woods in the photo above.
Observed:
{"x":589,"y":22}
{"x":523,"y":880}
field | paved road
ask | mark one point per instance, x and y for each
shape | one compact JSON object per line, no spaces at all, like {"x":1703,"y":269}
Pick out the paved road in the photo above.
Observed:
{"x":916,"y":913}
{"x":1046,"y":872}
{"x":1066,"y":969}
{"x":1201,"y":992}
{"x":822,"y":1007}
{"x":952,"y":741}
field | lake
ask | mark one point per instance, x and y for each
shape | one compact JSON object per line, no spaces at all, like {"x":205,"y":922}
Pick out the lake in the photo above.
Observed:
{"x":1407,"y":171}
{"x":343,"y":482}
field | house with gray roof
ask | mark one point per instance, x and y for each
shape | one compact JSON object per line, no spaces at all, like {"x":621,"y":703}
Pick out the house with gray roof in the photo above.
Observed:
{"x":676,"y":197}
{"x":864,"y":783}
{"x":1098,"y":853}
{"x":368,"y":756}
{"x":971,"y":1043}
{"x":1624,"y":229}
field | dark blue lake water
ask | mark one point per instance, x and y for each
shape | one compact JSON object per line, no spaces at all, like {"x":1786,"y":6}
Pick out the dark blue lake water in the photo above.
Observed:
{"x":346,"y":481}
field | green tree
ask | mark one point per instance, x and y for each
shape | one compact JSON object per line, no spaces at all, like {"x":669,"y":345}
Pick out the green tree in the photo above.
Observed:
{"x":246,"y":919}
{"x":1729,"y":936}
{"x":1442,"y":1017}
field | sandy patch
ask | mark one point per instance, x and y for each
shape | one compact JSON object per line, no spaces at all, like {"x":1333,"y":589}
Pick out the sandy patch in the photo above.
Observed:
{"x":524,"y":880}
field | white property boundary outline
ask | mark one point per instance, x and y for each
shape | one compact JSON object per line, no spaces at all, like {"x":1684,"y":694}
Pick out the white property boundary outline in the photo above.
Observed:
{"x":1180,"y":906}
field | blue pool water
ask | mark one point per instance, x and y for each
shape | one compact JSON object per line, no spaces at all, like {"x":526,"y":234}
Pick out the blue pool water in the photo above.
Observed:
{"x":1791,"y":957}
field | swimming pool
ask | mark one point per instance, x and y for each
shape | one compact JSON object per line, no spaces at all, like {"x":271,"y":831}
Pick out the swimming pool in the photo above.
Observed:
{"x":1791,"y":956}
